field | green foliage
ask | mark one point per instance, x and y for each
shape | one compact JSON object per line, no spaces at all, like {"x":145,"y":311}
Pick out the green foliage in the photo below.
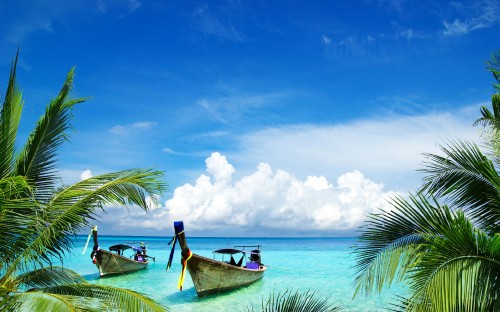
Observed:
{"x":39,"y":218}
{"x":447,"y":254}
{"x":468,"y":180}
{"x":289,"y":301}
{"x":493,"y":65}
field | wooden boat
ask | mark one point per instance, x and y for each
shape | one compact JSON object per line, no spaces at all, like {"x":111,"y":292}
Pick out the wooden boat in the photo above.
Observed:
{"x":212,"y":276}
{"x":114,"y":261}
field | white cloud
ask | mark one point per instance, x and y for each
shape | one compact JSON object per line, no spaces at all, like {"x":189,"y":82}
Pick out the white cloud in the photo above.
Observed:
{"x":134,"y":5}
{"x":481,"y":14}
{"x":271,"y":201}
{"x":310,"y":179}
{"x":87,"y":174}
{"x":265,"y":202}
{"x":153,"y":202}
{"x":457,"y":28}
{"x":388,"y":150}
{"x":232,"y":107}
{"x":131,"y":128}
{"x":326,"y":40}
{"x":122,"y":8}
{"x":212,"y":26}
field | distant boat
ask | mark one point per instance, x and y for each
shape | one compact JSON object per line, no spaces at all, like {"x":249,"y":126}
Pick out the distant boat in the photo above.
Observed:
{"x":213,"y":276}
{"x":115,"y":261}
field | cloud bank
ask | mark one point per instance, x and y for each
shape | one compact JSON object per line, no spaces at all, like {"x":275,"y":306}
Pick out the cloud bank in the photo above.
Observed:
{"x":317,"y":180}
{"x":387,"y":150}
{"x":266,"y":202}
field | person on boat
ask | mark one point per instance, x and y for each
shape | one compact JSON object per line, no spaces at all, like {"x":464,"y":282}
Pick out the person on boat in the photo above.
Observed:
{"x":141,"y":253}
{"x":255,"y":256}
{"x":143,"y":247}
{"x":139,"y":256}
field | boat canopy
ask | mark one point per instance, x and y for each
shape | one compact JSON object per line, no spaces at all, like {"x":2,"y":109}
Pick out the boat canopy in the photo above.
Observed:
{"x":122,"y":247}
{"x":232,"y":251}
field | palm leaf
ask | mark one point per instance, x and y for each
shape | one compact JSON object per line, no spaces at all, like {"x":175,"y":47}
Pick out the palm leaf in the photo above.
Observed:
{"x":17,"y":213}
{"x":491,"y":125}
{"x":392,"y":242}
{"x":490,"y":119}
{"x":71,"y":209}
{"x":37,"y":160}
{"x":296,"y":302}
{"x":10,"y":116}
{"x":13,"y":188}
{"x":116,"y":298}
{"x":43,"y":301}
{"x":16,"y":220}
{"x":459,"y":272}
{"x":493,"y":65}
{"x":49,"y":276}
{"x":468,"y":179}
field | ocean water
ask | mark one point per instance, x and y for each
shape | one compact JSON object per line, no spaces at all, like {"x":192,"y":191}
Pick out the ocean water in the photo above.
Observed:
{"x":323,"y":265}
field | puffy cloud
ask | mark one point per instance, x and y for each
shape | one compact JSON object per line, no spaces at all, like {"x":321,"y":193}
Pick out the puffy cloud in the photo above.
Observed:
{"x":265,"y":202}
{"x":327,"y":182}
{"x":87,"y":174}
{"x":273,"y":201}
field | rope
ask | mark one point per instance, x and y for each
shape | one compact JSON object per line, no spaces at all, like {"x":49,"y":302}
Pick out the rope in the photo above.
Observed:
{"x":174,"y":241}
{"x":183,"y":272}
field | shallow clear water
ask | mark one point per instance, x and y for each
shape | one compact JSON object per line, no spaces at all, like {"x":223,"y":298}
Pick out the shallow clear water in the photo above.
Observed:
{"x":323,"y":265}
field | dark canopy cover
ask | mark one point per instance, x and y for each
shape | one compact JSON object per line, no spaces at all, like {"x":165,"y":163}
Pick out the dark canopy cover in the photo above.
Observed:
{"x":122,"y":247}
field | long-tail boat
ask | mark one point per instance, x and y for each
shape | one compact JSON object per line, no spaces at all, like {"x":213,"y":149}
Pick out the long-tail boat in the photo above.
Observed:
{"x":115,"y":261}
{"x":213,"y":276}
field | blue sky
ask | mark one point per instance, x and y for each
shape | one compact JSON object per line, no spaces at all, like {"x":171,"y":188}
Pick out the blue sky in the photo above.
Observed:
{"x":269,"y":118}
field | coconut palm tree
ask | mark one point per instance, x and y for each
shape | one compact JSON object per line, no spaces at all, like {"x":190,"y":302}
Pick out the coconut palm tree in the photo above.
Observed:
{"x":39,"y":217}
{"x":442,"y":242}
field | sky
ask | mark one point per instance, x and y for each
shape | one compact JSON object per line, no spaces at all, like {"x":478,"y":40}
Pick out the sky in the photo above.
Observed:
{"x":269,"y":118}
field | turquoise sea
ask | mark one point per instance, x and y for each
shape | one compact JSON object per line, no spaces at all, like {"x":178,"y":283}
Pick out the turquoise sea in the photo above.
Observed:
{"x":324,"y":265}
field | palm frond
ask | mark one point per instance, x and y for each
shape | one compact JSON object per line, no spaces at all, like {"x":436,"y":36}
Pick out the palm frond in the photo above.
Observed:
{"x":16,"y":220}
{"x":116,"y":298}
{"x":490,"y":119}
{"x":392,"y":242}
{"x":13,"y":188}
{"x":128,"y":187}
{"x":49,"y":276}
{"x":464,"y":284}
{"x":296,"y":301}
{"x":459,"y":272}
{"x":467,"y":179}
{"x":400,"y":304}
{"x":10,"y":116}
{"x":71,"y":209}
{"x":493,"y":65}
{"x":43,"y":301}
{"x":37,"y":160}
{"x":16,"y":216}
{"x":390,"y":265}
{"x":491,"y":125}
